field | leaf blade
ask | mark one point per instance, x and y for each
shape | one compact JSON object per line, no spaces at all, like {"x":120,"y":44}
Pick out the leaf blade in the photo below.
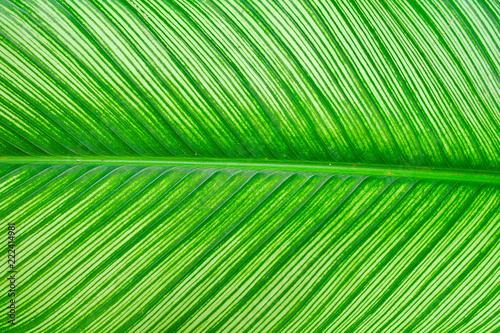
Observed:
{"x":327,"y":235}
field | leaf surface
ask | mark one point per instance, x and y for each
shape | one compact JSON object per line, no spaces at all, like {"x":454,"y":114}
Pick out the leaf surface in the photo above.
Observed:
{"x":406,"y":83}
{"x":251,"y":166}
{"x":157,"y":248}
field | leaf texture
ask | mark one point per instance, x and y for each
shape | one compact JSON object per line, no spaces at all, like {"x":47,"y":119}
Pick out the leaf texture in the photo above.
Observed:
{"x":389,"y":82}
{"x":132,"y":248}
{"x":133,"y":144}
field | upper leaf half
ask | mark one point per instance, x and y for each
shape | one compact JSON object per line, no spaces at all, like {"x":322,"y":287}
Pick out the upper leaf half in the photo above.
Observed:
{"x":399,"y":83}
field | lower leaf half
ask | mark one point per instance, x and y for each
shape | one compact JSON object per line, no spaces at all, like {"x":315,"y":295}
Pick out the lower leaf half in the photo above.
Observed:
{"x":104,"y":248}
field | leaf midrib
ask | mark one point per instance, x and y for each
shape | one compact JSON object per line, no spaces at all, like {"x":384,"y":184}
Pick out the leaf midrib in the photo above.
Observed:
{"x":296,"y":166}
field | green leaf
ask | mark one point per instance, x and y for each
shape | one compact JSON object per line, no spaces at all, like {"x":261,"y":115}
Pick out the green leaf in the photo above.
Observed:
{"x":250,"y":166}
{"x":379,"y":83}
{"x":156,"y":248}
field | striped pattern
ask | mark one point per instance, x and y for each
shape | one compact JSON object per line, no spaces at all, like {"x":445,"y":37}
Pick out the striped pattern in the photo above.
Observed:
{"x":381,"y":82}
{"x":107,"y":248}
{"x":229,"y":244}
